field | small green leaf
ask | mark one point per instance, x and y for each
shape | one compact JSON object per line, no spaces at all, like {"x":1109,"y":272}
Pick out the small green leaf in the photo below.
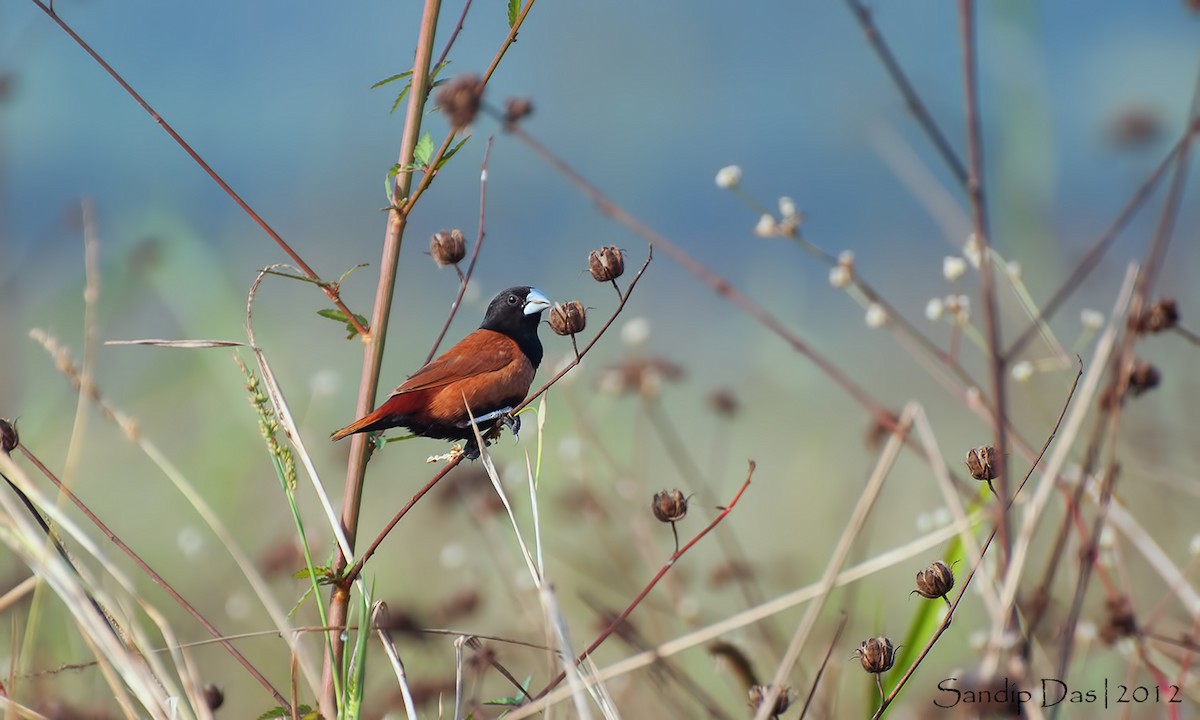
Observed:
{"x":303,"y":711}
{"x":450,"y":153}
{"x":514,"y":700}
{"x":514,"y":9}
{"x":393,"y":78}
{"x":423,"y":152}
{"x":339,"y":316}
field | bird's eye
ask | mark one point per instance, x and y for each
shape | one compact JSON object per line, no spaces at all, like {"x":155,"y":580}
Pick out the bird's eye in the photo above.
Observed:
{"x":513,"y":300}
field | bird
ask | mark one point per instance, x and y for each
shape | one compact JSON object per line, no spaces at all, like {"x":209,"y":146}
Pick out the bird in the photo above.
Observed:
{"x":490,"y":371}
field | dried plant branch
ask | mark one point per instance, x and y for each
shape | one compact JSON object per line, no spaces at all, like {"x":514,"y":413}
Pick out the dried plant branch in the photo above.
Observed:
{"x":330,"y":289}
{"x":987,"y":281}
{"x":616,"y":623}
{"x":862,"y":14}
{"x":978,"y":561}
{"x":465,"y":278}
{"x":837,"y":559}
{"x":719,"y":285}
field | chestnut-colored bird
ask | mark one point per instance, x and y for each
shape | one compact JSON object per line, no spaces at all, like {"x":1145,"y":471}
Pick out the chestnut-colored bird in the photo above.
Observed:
{"x":489,"y":370}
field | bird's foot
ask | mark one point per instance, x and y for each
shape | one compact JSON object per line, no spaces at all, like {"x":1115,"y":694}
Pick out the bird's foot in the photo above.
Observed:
{"x":489,"y":417}
{"x":513,"y":423}
{"x":470,"y":451}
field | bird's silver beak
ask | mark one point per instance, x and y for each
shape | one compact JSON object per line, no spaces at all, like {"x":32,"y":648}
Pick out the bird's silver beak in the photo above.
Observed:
{"x":535,"y":302}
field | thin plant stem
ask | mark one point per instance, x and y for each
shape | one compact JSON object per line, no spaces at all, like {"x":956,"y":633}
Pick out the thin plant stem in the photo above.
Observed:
{"x":330,"y":289}
{"x":862,"y":14}
{"x":987,"y":281}
{"x":158,"y":579}
{"x":373,"y":353}
{"x":464,"y":279}
{"x":670,"y":563}
{"x":719,"y":285}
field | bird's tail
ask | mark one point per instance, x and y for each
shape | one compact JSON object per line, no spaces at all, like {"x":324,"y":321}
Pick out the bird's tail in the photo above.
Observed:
{"x":373,"y":421}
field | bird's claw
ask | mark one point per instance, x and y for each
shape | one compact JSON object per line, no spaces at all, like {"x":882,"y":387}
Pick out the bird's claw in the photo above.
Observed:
{"x":513,"y":423}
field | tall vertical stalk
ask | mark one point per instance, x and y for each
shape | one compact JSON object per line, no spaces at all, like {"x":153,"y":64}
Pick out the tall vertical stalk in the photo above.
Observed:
{"x":375,"y":342}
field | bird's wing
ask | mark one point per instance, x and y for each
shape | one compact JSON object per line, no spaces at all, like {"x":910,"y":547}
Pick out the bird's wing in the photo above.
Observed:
{"x":481,"y":352}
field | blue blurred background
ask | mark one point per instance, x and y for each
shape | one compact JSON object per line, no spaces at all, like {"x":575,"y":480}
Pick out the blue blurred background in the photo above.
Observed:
{"x":647,"y":100}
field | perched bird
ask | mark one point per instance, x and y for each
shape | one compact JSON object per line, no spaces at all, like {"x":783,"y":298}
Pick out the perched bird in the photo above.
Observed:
{"x":489,"y":370}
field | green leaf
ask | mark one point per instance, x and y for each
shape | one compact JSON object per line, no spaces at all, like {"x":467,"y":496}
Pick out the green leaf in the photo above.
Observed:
{"x":423,"y":152}
{"x":450,"y":153}
{"x":339,"y":316}
{"x":320,"y":570}
{"x":393,"y":78}
{"x":303,"y":711}
{"x":513,"y":700}
{"x":514,"y":9}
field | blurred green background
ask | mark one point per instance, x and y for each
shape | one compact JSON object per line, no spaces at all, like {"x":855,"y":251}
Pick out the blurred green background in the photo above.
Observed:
{"x":647,"y":100}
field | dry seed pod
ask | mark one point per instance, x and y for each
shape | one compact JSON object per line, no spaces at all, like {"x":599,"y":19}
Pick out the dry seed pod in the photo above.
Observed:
{"x":982,"y":463}
{"x":935,"y":581}
{"x":460,"y":98}
{"x":448,"y":247}
{"x":8,"y":436}
{"x":1162,"y":315}
{"x":606,"y":264}
{"x":568,"y":318}
{"x":669,"y":506}
{"x":517,"y":109}
{"x":876,"y":655}
{"x":759,"y":693}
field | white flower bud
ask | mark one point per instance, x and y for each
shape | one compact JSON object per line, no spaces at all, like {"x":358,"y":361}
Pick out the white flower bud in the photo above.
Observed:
{"x":876,"y":315}
{"x":934,"y":308}
{"x":787,"y":207}
{"x":766,"y":227}
{"x":1022,"y":371}
{"x":839,"y":276}
{"x":729,"y":176}
{"x":953,"y":267}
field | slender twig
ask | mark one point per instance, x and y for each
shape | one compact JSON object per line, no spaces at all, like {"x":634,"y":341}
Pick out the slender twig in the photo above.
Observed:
{"x":1094,"y":254}
{"x":604,"y":328}
{"x":915,"y":105}
{"x":719,"y":285}
{"x":393,"y":238}
{"x":354,"y":571}
{"x":158,"y":579}
{"x":979,"y":559}
{"x":987,"y":281}
{"x":462,"y":19}
{"x":833,"y":643}
{"x":670,"y":563}
{"x":330,"y":289}
{"x":464,"y":279}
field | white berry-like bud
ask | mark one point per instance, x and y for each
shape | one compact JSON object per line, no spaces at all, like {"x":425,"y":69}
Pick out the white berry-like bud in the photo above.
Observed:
{"x":729,"y":176}
{"x":766,"y":227}
{"x":839,"y":276}
{"x":876,"y":315}
{"x":1092,"y":319}
{"x":1022,"y":371}
{"x":934,"y":308}
{"x":953,"y":267}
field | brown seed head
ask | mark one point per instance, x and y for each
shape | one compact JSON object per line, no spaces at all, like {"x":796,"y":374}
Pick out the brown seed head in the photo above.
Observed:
{"x":606,"y":264}
{"x":214,"y":697}
{"x":517,"y":109}
{"x":8,"y":436}
{"x":568,"y":318}
{"x":759,"y":693}
{"x":1143,"y":377}
{"x":1121,"y":621}
{"x":1162,"y":315}
{"x":460,"y":99}
{"x":448,"y":247}
{"x":669,"y":506}
{"x":935,"y":581}
{"x":876,"y":655}
{"x":983,"y":463}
